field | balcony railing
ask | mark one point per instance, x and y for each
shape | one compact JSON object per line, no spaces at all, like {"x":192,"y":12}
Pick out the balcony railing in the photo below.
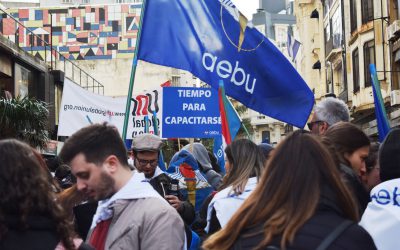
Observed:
{"x":14,"y":30}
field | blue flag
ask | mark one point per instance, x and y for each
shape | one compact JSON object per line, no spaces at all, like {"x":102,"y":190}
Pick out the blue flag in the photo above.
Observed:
{"x":380,"y":112}
{"x":213,"y":40}
{"x":293,"y":46}
{"x":234,"y":123}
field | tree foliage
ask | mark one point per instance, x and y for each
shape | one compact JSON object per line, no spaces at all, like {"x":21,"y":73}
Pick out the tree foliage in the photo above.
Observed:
{"x":24,"y":119}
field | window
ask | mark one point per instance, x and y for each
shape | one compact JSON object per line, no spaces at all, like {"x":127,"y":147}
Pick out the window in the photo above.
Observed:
{"x":369,"y":57}
{"x":367,"y":10}
{"x":328,"y":32}
{"x":328,"y":38}
{"x":396,"y":7}
{"x":66,"y":1}
{"x":327,"y":6}
{"x":176,"y":81}
{"x":353,"y":15}
{"x":337,"y":28}
{"x":23,"y":80}
{"x":340,"y":77}
{"x":356,"y":71}
{"x":266,"y":137}
{"x":281,"y":36}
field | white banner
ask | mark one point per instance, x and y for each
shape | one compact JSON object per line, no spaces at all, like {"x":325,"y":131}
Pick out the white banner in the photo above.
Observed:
{"x":80,"y":108}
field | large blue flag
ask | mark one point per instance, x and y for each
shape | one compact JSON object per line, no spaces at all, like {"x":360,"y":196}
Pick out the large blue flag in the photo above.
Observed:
{"x":382,"y":121}
{"x":213,"y":40}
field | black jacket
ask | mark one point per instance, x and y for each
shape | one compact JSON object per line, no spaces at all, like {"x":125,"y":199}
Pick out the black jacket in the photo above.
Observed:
{"x":353,"y":182}
{"x":162,"y":184}
{"x":326,"y":218}
{"x":41,"y":234}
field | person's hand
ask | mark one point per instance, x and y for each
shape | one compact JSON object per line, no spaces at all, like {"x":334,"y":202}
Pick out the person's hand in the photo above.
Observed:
{"x":174,"y":201}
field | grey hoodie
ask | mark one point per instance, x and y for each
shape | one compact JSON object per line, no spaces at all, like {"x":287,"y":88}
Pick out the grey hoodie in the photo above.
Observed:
{"x":200,"y":153}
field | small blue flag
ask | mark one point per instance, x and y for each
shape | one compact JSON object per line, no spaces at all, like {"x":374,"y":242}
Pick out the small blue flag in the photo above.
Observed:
{"x":233,"y":122}
{"x":293,"y":46}
{"x":380,"y":112}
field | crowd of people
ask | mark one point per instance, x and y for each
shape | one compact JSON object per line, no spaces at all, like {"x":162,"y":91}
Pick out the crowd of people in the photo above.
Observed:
{"x":328,"y":187}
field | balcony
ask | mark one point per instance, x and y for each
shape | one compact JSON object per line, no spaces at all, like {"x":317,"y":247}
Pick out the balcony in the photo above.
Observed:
{"x":393,"y":31}
{"x":364,"y":100}
{"x":257,"y":119}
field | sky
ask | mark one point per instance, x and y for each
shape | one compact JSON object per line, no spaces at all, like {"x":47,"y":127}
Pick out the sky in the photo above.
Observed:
{"x":247,"y":7}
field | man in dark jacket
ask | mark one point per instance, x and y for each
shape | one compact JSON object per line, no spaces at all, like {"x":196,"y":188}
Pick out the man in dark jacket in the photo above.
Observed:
{"x":146,"y":150}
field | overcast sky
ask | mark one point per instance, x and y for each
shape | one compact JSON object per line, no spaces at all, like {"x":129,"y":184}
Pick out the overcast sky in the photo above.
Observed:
{"x":247,"y":7}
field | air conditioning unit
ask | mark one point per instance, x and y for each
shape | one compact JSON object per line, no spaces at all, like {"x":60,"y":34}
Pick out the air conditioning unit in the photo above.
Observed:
{"x":395,"y":97}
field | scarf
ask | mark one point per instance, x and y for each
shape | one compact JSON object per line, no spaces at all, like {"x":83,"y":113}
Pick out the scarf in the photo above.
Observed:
{"x":136,"y":188}
{"x":226,"y":204}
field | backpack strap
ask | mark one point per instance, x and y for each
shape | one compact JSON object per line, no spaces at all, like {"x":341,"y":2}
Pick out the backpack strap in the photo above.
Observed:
{"x":334,"y":234}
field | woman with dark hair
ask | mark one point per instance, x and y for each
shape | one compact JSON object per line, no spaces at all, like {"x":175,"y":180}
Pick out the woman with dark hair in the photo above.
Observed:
{"x":298,"y":204}
{"x":371,"y":177}
{"x":244,"y":164}
{"x":351,"y":145}
{"x":29,"y":215}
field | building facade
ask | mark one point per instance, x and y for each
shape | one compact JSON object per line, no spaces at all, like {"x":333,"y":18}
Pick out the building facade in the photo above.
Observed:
{"x":310,"y":59}
{"x":353,"y":36}
{"x":57,"y":3}
{"x":34,"y":72}
{"x":393,"y":36}
{"x":100,"y":39}
{"x":274,"y":19}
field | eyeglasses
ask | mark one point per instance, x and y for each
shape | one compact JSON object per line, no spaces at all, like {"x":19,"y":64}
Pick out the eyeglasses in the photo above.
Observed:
{"x":144,"y":163}
{"x":310,"y":125}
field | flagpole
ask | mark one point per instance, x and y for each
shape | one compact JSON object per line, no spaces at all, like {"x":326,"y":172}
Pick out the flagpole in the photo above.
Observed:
{"x":245,"y":130}
{"x":133,"y":72}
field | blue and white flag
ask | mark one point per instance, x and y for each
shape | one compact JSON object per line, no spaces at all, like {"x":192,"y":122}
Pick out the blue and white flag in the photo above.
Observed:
{"x":293,"y":46}
{"x":213,"y":40}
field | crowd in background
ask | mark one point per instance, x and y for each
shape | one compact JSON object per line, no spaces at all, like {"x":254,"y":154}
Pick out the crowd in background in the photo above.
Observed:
{"x":329,"y":187}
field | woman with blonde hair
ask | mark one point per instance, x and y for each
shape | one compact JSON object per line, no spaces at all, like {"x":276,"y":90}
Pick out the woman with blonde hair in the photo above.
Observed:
{"x":244,"y":164}
{"x":299,"y":203}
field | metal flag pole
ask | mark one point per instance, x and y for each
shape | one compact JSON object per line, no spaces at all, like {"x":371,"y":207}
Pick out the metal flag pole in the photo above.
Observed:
{"x":133,"y":71}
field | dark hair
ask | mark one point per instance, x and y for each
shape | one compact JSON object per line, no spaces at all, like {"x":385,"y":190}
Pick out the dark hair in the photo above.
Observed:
{"x":288,"y":193}
{"x":25,"y":189}
{"x":266,"y":149}
{"x":246,"y":161}
{"x":53,"y":163}
{"x":346,"y":138}
{"x":96,"y":142}
{"x":372,"y":158}
{"x":69,"y":198}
